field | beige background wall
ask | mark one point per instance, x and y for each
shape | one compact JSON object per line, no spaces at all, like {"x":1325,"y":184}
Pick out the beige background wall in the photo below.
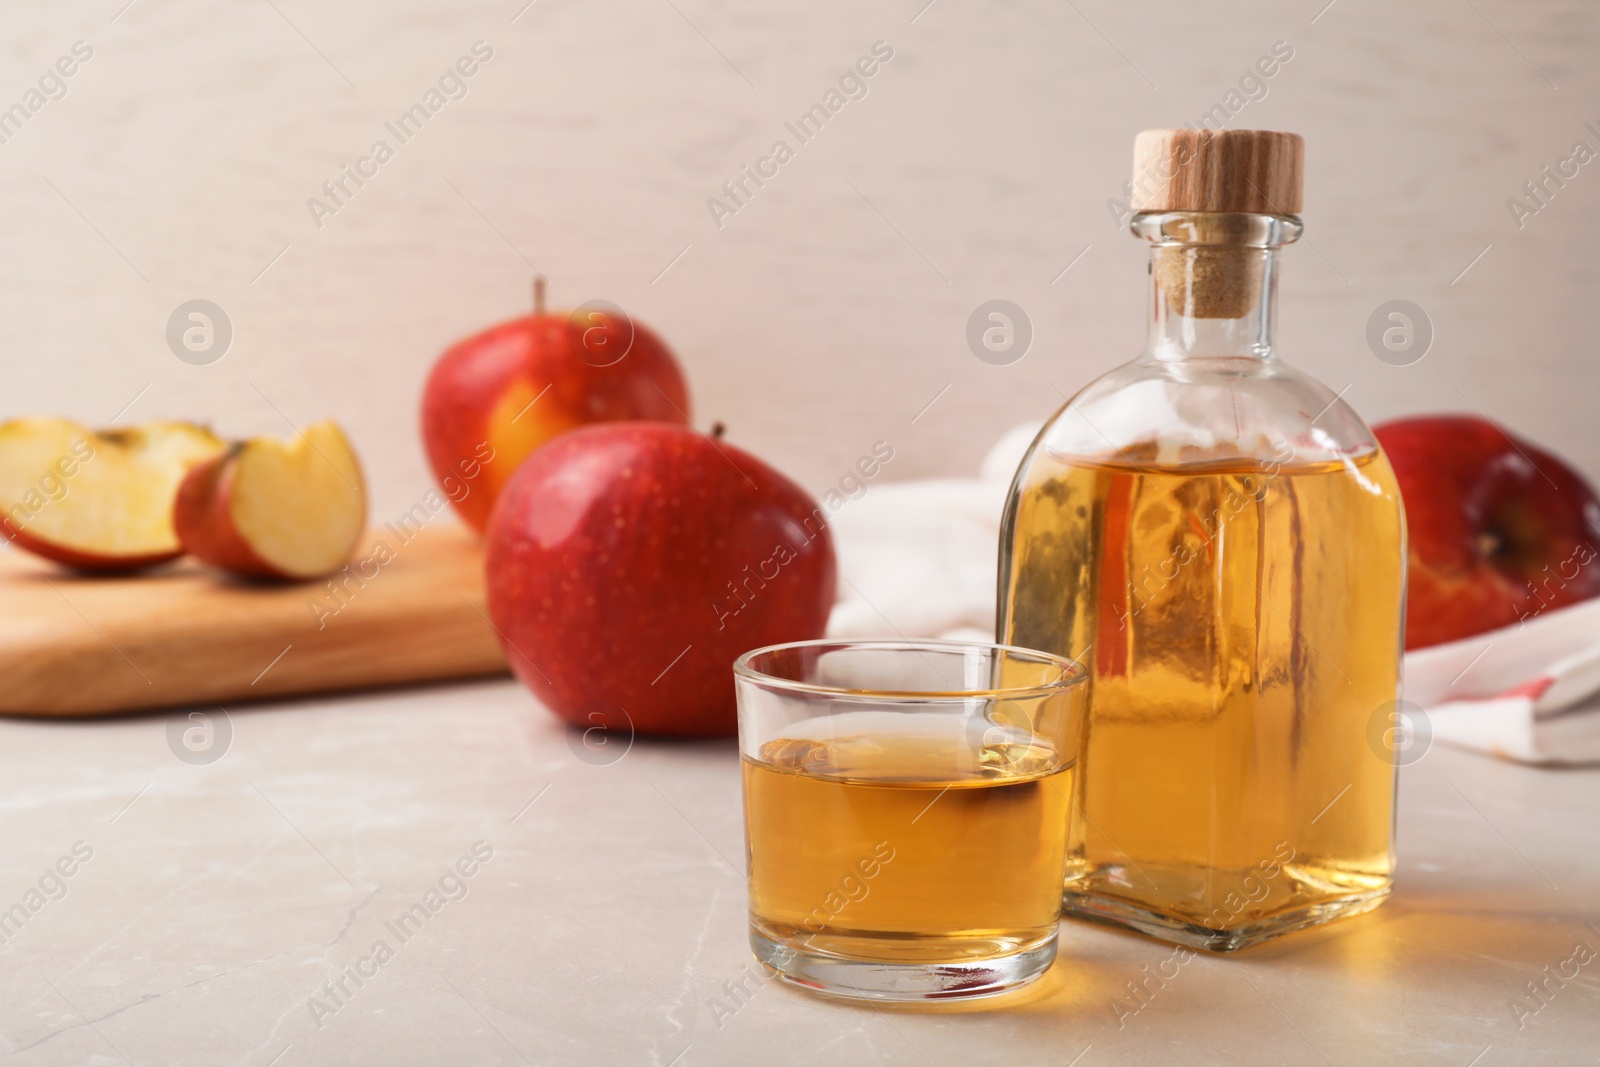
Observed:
{"x":832,"y":308}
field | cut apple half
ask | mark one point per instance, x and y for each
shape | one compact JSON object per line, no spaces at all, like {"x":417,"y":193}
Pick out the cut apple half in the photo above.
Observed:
{"x":276,"y":509}
{"x":98,"y":501}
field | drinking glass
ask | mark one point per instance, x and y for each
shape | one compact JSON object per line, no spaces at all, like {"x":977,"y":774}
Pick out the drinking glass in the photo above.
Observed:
{"x":906,"y":808}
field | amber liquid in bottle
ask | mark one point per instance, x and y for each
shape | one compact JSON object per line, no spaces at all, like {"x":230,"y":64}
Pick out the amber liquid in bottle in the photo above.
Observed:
{"x":1240,"y":621}
{"x":1220,"y":540}
{"x":923,"y":845}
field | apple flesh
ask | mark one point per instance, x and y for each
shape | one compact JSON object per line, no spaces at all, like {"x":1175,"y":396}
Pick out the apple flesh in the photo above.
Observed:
{"x":274,"y":509}
{"x":98,"y":501}
{"x":494,"y":397}
{"x":1500,"y":530}
{"x":628,"y":565}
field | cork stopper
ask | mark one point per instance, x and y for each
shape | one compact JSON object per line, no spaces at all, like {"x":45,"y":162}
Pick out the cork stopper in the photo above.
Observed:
{"x":1210,"y":281}
{"x":1221,"y":173}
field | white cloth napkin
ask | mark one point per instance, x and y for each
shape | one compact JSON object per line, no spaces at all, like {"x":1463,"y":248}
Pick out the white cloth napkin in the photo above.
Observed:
{"x":918,"y":559}
{"x":1529,"y":692}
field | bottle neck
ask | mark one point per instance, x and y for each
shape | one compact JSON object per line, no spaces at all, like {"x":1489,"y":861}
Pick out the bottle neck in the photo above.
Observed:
{"x":1213,"y":283}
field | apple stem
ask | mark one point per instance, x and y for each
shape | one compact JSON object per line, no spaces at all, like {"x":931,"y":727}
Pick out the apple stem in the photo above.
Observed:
{"x":717,"y":430}
{"x":538,"y":295}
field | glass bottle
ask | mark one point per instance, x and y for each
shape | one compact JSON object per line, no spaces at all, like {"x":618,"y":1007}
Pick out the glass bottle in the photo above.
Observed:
{"x":1220,"y":539}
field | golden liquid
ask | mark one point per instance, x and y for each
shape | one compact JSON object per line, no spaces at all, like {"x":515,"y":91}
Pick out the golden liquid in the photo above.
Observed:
{"x":1243,"y":627}
{"x":922,"y":845}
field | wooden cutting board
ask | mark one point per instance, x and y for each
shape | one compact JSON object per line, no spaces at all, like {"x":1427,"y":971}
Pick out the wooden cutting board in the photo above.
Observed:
{"x":76,"y":645}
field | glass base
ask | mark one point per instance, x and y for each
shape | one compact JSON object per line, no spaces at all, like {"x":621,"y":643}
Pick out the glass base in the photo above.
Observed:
{"x":863,"y":979}
{"x":1112,"y":911}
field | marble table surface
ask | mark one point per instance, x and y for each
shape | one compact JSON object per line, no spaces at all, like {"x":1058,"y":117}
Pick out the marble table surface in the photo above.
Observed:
{"x":248,"y":908}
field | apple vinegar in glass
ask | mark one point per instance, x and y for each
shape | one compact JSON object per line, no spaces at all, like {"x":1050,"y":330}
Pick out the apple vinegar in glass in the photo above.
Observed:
{"x":904,"y":807}
{"x":1220,"y":540}
{"x":936,"y":851}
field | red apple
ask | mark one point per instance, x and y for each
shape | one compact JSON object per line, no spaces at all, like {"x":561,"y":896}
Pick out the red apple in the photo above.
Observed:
{"x":628,"y":565}
{"x":494,"y":397}
{"x":273,"y":509}
{"x":1500,"y":529}
{"x":98,"y":501}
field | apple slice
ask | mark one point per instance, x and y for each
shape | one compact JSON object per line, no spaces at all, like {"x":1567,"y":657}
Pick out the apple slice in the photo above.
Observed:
{"x":276,"y":509}
{"x":98,"y":501}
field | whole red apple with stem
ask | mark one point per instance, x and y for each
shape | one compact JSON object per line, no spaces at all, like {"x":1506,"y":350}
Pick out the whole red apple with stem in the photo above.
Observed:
{"x":1500,"y":530}
{"x":494,"y":397}
{"x":628,"y":565}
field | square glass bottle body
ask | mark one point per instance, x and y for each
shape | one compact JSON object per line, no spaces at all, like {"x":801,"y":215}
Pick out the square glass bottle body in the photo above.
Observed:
{"x":1220,"y":540}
